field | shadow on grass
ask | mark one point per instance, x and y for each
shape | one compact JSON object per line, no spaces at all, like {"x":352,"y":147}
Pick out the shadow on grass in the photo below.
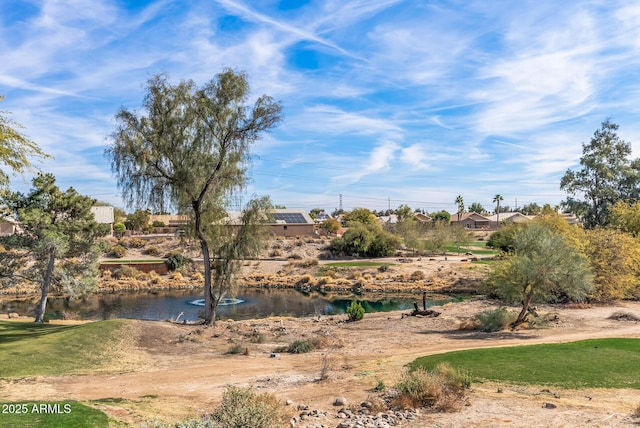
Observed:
{"x":14,"y":331}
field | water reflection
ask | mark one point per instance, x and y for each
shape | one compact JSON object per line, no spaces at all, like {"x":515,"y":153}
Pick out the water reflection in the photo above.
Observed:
{"x":254,"y":303}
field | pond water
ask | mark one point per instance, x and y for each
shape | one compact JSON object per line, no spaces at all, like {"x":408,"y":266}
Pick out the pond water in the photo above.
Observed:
{"x":250,"y":303}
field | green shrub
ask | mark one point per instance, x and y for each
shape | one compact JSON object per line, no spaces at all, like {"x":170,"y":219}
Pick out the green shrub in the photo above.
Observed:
{"x":383,"y":268}
{"x":158,"y":223}
{"x":355,"y":311}
{"x":118,"y":251}
{"x":300,"y":347}
{"x":494,"y":319}
{"x":243,"y":408}
{"x":366,"y":241}
{"x":176,"y":261}
{"x":103,"y":245}
{"x":119,"y":229}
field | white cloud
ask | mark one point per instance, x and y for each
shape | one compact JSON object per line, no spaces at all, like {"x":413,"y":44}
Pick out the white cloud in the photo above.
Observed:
{"x":415,"y":156}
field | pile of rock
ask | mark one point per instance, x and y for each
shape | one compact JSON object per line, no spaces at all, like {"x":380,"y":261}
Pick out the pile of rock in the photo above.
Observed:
{"x":363,"y":417}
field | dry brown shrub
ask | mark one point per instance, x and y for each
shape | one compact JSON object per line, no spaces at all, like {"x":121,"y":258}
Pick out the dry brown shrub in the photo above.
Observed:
{"x":325,"y":280}
{"x":468,"y":325}
{"x":360,"y":283}
{"x":623,"y":316}
{"x":275,"y":253}
{"x":417,"y":275}
{"x":355,"y":274}
{"x":331,"y":273}
{"x":377,"y":404}
{"x":306,"y":279}
{"x":136,"y":243}
{"x":125,"y":272}
{"x":442,"y":389}
{"x":323,"y":341}
{"x":636,"y":412}
{"x":405,"y":402}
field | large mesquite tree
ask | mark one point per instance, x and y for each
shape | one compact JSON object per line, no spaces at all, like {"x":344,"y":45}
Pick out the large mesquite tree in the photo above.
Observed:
{"x":607,"y":175}
{"x":188,"y":149}
{"x":57,"y":247}
{"x":544,"y":266}
{"x":15,"y":148}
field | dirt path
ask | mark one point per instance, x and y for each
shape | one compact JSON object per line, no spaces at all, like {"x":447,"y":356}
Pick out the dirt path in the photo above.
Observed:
{"x":174,"y":371}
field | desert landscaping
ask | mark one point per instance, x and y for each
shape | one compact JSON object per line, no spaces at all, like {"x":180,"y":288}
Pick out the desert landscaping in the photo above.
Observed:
{"x":165,"y":372}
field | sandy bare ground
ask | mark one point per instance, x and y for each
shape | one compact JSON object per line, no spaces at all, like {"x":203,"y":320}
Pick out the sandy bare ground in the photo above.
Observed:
{"x":174,"y":371}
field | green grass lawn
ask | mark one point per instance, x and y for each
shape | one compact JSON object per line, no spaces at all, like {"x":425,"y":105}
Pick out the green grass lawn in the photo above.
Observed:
{"x":30,"y":349}
{"x":67,"y":414}
{"x":596,"y":363}
{"x":468,"y":249}
{"x":358,"y":264}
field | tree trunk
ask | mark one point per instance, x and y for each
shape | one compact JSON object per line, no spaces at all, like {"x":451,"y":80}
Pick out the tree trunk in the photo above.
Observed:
{"x":522,"y":317}
{"x":209,"y":301}
{"x":46,"y":283}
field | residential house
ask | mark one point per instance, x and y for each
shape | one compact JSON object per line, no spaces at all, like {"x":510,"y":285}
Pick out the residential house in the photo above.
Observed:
{"x":9,"y":226}
{"x":472,"y":221}
{"x":172,"y":222}
{"x":291,"y":222}
{"x":423,"y":218}
{"x":103,"y":215}
{"x":511,"y":217}
{"x":285,"y":222}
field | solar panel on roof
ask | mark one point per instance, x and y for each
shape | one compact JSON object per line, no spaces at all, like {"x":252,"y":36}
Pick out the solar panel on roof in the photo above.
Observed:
{"x":289,"y":217}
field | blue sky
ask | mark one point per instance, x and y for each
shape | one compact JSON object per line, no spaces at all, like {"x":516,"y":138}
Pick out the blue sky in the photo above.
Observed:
{"x":385,"y":101}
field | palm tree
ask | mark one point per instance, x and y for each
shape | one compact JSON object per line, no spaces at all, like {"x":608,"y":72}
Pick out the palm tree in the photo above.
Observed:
{"x":497,"y":198}
{"x":460,"y":203}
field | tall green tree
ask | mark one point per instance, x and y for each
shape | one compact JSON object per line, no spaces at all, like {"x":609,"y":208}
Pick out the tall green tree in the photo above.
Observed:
{"x":137,"y":220}
{"x":16,"y":150}
{"x":58,"y":246}
{"x":531,"y":209}
{"x":545,"y":266}
{"x":404,"y":212}
{"x":460,"y":204}
{"x":607,"y":175}
{"x":188,"y":149}
{"x":441,"y":216}
{"x":476,"y":207}
{"x":362,"y":216}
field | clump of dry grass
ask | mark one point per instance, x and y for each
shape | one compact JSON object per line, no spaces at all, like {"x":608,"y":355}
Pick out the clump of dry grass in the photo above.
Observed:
{"x":623,"y":316}
{"x":443,"y":389}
